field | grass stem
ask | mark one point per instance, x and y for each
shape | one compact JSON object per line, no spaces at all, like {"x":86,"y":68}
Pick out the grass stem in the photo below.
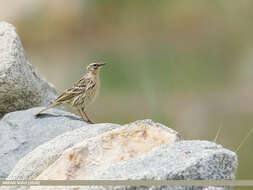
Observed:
{"x":217,"y":134}
{"x":244,"y":140}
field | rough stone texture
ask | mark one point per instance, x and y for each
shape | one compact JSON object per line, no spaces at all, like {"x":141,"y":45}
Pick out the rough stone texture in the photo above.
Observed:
{"x":180,"y":160}
{"x":21,"y":85}
{"x":140,"y":150}
{"x":45,"y":155}
{"x":98,"y":153}
{"x":21,"y":132}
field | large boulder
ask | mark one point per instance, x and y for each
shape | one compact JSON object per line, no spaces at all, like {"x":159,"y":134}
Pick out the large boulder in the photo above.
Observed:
{"x":182,"y":160}
{"x":139,"y":150}
{"x":21,"y":132}
{"x":97,"y":154}
{"x":21,"y":85}
{"x":46,"y":154}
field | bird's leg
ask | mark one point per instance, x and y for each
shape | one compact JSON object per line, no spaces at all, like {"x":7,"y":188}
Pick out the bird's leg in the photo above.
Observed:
{"x":83,"y":112}
{"x":88,"y":118}
{"x":82,"y":115}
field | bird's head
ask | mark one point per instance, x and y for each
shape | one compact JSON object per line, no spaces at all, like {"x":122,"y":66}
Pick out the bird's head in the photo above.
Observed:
{"x":95,"y":67}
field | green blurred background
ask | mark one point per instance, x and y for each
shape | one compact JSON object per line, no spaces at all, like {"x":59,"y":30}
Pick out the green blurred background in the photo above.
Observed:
{"x":186,"y":64}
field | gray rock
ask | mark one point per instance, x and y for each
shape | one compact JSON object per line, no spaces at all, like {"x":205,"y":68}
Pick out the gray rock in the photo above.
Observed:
{"x":179,"y":160}
{"x":21,"y":85}
{"x":46,"y":154}
{"x":30,"y":166}
{"x":125,"y":142}
{"x":21,"y":132}
{"x":195,"y":160}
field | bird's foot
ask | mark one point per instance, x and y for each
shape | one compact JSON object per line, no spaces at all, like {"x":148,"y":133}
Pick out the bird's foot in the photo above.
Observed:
{"x":89,"y":121}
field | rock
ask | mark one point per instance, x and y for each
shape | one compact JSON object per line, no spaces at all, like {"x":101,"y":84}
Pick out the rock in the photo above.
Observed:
{"x":98,"y":153}
{"x":180,"y":160}
{"x":45,"y":155}
{"x":195,"y":160}
{"x":21,"y":132}
{"x":21,"y":85}
{"x":139,"y":150}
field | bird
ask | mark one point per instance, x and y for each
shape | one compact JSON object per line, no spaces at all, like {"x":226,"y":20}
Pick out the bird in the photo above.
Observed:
{"x":82,"y":93}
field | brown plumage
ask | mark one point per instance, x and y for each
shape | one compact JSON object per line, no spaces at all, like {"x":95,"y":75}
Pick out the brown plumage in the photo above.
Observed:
{"x":82,"y":93}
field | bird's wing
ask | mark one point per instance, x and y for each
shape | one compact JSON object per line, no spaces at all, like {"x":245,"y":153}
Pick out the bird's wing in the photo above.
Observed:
{"x":79,"y":87}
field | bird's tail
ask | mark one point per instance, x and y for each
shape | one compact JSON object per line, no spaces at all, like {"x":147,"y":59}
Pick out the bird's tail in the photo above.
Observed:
{"x":50,"y":106}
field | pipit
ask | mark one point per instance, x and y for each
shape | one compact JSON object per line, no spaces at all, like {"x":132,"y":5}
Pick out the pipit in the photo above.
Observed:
{"x":82,"y":93}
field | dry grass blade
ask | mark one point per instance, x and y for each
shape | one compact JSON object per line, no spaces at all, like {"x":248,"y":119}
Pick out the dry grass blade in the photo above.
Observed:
{"x":244,"y":140}
{"x":217,"y":134}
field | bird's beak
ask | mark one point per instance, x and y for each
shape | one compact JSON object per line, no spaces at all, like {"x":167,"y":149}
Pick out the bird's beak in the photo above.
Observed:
{"x":102,"y":64}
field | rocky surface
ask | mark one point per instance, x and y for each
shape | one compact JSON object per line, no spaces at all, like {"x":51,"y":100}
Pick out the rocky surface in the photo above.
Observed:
{"x":45,"y":155}
{"x":180,"y":160}
{"x":139,"y":150}
{"x":21,"y":85}
{"x":21,"y":132}
{"x":84,"y":160}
